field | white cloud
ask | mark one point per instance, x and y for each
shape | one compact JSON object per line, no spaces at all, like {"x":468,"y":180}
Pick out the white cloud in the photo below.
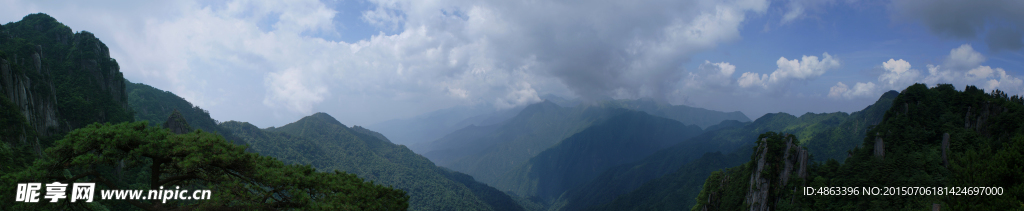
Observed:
{"x":808,"y":67}
{"x":961,"y":67}
{"x":749,"y":79}
{"x":795,"y":11}
{"x":964,"y":57}
{"x":997,"y":79}
{"x":294,"y":90}
{"x":838,"y":90}
{"x":897,"y":74}
{"x":710,"y":76}
{"x":520,"y":94}
{"x":843,"y":91}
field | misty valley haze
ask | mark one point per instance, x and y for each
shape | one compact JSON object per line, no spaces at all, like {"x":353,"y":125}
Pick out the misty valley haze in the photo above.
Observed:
{"x":515,"y":105}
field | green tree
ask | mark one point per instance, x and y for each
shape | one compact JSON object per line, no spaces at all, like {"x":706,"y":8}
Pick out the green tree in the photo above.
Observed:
{"x":137,"y":156}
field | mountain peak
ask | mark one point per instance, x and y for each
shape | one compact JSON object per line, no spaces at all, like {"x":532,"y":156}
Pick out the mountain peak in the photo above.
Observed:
{"x":324,"y":117}
{"x":545,"y":105}
{"x":39,"y":17}
{"x":891,"y":94}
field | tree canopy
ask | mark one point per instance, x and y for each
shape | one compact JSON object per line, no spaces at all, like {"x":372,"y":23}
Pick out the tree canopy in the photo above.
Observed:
{"x":138,"y":156}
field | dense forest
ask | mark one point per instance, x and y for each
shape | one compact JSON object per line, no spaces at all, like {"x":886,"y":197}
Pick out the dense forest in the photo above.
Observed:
{"x":938,"y":138}
{"x":139,"y":156}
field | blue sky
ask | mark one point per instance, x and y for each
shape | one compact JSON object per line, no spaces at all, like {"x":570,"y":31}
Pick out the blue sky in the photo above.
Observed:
{"x":366,"y":61}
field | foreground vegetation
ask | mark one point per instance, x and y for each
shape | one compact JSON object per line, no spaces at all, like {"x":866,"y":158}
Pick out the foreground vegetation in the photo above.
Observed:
{"x":138,"y":156}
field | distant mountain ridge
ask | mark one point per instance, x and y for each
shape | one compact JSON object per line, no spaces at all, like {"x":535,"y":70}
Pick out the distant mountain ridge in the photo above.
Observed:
{"x":433,"y":125}
{"x":625,"y":137}
{"x":677,"y":171}
{"x":685,"y":114}
{"x":490,"y":151}
{"x":536,"y":128}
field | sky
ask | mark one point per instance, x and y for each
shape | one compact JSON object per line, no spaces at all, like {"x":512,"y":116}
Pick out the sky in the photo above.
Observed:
{"x":366,"y":61}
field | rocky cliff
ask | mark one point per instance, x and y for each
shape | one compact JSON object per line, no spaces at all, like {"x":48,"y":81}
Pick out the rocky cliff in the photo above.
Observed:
{"x":759,"y":194}
{"x":176,"y":122}
{"x":58,"y":80}
{"x":776,"y":169}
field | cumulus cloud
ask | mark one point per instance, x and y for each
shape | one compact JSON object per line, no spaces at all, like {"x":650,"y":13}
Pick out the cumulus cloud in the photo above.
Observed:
{"x":961,"y":67}
{"x":750,"y":79}
{"x":710,"y":76}
{"x":842,"y":91}
{"x":965,"y":18}
{"x":964,"y":57}
{"x":808,"y":67}
{"x":897,"y":74}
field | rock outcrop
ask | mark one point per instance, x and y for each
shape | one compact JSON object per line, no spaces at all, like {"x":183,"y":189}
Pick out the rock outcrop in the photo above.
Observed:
{"x":794,"y":157}
{"x":39,"y":106}
{"x":176,"y":122}
{"x":714,"y":197}
{"x":945,"y":149}
{"x":757,"y":194}
{"x":27,"y":81}
{"x":967,"y":118}
{"x":981,"y":115}
{"x":879,"y":146}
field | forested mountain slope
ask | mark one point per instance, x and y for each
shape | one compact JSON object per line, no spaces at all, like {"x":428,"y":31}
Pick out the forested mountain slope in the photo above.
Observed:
{"x":931,"y":137}
{"x":685,"y":114}
{"x":136,"y":155}
{"x":327,"y":144}
{"x":154,"y":105}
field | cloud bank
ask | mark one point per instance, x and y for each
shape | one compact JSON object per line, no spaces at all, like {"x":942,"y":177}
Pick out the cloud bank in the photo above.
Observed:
{"x":808,"y":67}
{"x":967,"y":19}
{"x":427,"y":55}
{"x":961,"y":67}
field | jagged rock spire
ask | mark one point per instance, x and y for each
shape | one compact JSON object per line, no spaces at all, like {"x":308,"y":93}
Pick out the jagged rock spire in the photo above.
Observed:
{"x":176,"y":122}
